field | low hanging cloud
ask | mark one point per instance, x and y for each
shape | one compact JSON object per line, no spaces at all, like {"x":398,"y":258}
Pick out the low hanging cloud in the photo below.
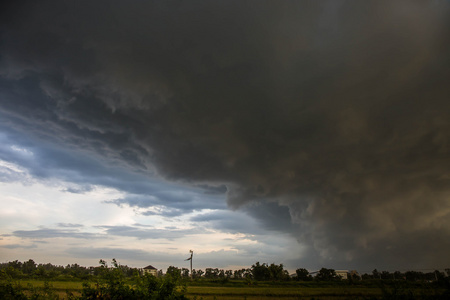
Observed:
{"x":170,"y":203}
{"x":46,"y":233}
{"x":150,"y":233}
{"x":335,"y":113}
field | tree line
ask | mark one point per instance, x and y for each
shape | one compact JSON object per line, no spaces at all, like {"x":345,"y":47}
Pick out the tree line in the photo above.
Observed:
{"x":258,"y":271}
{"x":110,"y":282}
{"x":30,"y":269}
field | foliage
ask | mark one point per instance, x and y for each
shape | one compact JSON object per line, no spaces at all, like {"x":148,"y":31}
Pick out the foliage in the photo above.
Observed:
{"x":325,"y":274}
{"x":8,"y":289}
{"x":185,"y":273}
{"x":18,"y":281}
{"x":174,"y":272}
{"x":113,"y":285}
{"x":260,"y":272}
{"x":264,"y":272}
{"x":14,"y":290}
{"x":29,"y":270}
{"x":303,"y":274}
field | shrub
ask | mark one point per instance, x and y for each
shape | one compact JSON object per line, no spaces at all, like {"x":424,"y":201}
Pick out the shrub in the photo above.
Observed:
{"x":113,"y":285}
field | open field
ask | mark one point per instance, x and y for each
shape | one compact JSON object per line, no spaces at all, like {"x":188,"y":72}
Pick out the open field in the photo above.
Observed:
{"x":261,"y":291}
{"x":278,"y":292}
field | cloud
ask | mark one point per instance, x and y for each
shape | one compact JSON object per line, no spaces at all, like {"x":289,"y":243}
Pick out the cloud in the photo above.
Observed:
{"x":150,"y":233}
{"x":78,"y":190}
{"x":333,"y":116}
{"x":171,"y":202}
{"x":45,"y":233}
{"x":69,"y":225}
{"x":109,"y":253}
{"x":19,"y":246}
{"x":253,"y":219}
{"x":227,"y":221}
{"x":82,"y":173}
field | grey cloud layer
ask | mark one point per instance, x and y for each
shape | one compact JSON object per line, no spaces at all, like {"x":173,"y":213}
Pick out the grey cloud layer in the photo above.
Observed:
{"x":150,"y":233}
{"x":45,"y":233}
{"x":136,"y":231}
{"x":337,"y":110}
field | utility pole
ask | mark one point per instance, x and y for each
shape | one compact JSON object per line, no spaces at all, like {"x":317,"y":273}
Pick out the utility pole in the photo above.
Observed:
{"x":190,"y":258}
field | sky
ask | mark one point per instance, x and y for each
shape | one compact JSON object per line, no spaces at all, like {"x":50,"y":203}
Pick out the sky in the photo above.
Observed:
{"x":308,"y":133}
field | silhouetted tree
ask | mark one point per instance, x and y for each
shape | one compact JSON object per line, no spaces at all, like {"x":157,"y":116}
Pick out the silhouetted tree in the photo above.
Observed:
{"x":29,"y":267}
{"x":303,"y":274}
{"x":260,"y":272}
{"x":185,"y":272}
{"x":325,"y":274}
{"x":276,"y":272}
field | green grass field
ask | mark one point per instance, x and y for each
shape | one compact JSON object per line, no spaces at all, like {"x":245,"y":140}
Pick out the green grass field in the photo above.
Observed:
{"x":274,"y":292}
{"x":260,"y":291}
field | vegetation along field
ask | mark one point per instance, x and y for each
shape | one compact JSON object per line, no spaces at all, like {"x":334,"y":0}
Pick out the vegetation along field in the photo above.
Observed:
{"x":30,"y":281}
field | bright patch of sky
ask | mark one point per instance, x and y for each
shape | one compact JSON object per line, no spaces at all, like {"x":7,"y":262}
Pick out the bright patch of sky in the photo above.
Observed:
{"x":58,"y":221}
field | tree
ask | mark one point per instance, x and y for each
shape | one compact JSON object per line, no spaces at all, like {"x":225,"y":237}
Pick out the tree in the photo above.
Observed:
{"x":303,"y":274}
{"x":200,"y":273}
{"x":173,"y":272}
{"x":397,"y":275}
{"x":386,"y":275}
{"x":197,"y":273}
{"x":238,"y":274}
{"x":29,"y":267}
{"x":276,"y":272}
{"x":113,"y":285}
{"x":185,"y":272}
{"x":260,"y":272}
{"x":326,"y":275}
{"x":211,"y":273}
{"x":376,"y":274}
{"x":247,"y":273}
{"x":354,"y":276}
{"x":15,"y":264}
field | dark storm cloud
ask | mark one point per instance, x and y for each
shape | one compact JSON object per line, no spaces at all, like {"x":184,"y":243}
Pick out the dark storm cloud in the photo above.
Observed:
{"x":28,"y":160}
{"x":271,"y":216}
{"x":336,"y":110}
{"x":252,"y":219}
{"x":227,"y":221}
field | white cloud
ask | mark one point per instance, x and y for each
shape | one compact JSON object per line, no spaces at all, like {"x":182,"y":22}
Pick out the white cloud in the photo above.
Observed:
{"x":23,"y":151}
{"x":45,"y":221}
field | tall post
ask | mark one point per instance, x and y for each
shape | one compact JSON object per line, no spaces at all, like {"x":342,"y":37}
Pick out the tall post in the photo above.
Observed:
{"x":190,"y":258}
{"x":192,"y":254}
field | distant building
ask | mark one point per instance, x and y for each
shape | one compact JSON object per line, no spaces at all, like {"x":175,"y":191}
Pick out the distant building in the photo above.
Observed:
{"x":150,"y":270}
{"x":342,"y":273}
